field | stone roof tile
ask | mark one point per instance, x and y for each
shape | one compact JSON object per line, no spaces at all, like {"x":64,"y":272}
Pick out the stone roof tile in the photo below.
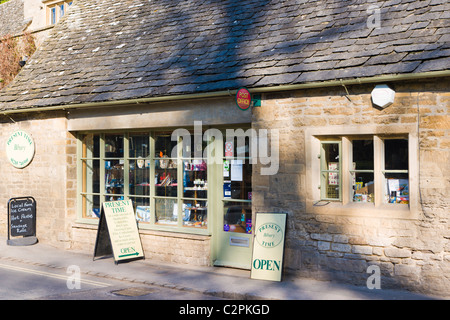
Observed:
{"x":105,"y":50}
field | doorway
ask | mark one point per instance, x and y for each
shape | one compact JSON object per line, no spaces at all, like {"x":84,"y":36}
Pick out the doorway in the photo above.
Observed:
{"x":233,"y":232}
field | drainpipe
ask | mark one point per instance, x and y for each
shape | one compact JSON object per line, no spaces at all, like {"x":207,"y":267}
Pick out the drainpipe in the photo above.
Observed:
{"x":312,"y":85}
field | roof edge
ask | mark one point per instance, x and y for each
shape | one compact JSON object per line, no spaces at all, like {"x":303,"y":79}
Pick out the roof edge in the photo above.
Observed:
{"x":215,"y":94}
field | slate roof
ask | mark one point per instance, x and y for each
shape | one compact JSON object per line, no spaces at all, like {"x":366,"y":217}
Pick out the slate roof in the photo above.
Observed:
{"x":105,"y":50}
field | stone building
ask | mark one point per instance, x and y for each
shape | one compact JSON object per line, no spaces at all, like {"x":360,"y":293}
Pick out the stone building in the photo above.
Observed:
{"x":118,"y":85}
{"x":34,"y":16}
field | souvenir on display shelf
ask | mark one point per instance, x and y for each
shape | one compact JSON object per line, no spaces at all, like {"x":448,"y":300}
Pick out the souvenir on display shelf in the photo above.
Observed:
{"x":114,"y":180}
{"x":397,"y":191}
{"x":195,"y":213}
{"x":166,"y":176}
{"x":238,"y":217}
{"x":195,"y":179}
{"x":143,"y":213}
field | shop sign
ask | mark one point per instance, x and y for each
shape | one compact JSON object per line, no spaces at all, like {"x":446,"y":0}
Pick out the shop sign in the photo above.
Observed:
{"x":117,"y":232}
{"x":243,"y":98}
{"x":20,"y":149}
{"x":268,"y":247}
{"x":22,"y":221}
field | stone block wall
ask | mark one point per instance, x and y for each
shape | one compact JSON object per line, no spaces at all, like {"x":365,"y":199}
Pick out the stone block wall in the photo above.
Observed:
{"x":411,"y":253}
{"x":50,"y":178}
{"x":166,"y":247}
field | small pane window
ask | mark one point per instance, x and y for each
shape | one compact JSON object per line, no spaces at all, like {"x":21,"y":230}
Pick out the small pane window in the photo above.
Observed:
{"x":53,"y":15}
{"x":166,"y":211}
{"x":362,"y":171}
{"x":330,"y":171}
{"x":396,"y":171}
{"x":61,"y":10}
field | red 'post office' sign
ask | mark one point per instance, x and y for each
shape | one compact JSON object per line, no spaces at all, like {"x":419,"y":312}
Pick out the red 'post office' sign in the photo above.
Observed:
{"x":243,"y":99}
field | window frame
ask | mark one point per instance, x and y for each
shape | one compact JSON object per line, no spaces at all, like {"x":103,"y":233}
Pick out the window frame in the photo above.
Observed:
{"x":56,"y":10}
{"x":314,"y":203}
{"x":214,"y":195}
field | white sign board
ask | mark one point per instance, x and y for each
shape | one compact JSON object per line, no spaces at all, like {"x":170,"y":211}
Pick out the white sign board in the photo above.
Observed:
{"x":268,"y":247}
{"x":20,"y":149}
{"x":122,"y":230}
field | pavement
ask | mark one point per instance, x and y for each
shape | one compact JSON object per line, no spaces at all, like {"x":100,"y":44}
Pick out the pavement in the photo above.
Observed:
{"x":225,"y":283}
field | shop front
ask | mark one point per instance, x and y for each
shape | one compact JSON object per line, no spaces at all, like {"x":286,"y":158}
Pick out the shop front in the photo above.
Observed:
{"x":188,"y":181}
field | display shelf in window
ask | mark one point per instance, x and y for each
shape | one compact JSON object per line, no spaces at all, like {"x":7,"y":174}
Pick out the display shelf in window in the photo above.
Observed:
{"x":195,"y":213}
{"x":195,"y":179}
{"x":114,"y":180}
{"x":166,"y":177}
{"x":139,"y":177}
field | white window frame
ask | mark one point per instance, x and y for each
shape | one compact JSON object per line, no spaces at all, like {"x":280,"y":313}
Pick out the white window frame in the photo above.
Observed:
{"x":345,"y":206}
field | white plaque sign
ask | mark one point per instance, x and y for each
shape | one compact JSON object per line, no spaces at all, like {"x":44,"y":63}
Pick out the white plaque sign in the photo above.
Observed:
{"x":20,"y":149}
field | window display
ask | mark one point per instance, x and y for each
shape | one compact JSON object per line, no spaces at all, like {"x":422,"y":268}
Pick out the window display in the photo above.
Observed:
{"x":237,"y":190}
{"x":392,"y":169}
{"x":167,"y":178}
{"x":169,"y":189}
{"x":396,"y":171}
{"x":362,"y":173}
{"x":330,"y":170}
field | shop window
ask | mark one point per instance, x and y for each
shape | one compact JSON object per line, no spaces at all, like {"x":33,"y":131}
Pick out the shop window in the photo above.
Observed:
{"x":166,"y":177}
{"x":361,"y":172}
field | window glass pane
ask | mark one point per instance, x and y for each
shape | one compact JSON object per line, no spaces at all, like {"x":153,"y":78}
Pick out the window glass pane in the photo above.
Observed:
{"x":397,"y":188}
{"x":195,"y":213}
{"x":237,"y":217}
{"x":142,"y":208}
{"x":53,"y":15}
{"x":113,"y":146}
{"x":166,"y":211}
{"x":237,"y":143}
{"x":61,"y":10}
{"x":91,"y":146}
{"x":195,"y":179}
{"x":193,"y":146}
{"x":91,"y":176}
{"x":91,"y":206}
{"x":139,"y":177}
{"x":164,"y":146}
{"x":396,"y":154}
{"x":363,"y":187}
{"x":114,"y":180}
{"x":139,"y":146}
{"x":237,"y":176}
{"x":330,"y":162}
{"x":166,"y":177}
{"x":362,"y":154}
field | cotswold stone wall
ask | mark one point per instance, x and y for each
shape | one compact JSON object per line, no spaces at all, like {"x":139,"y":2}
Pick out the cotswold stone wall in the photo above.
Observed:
{"x":411,"y":253}
{"x":11,"y":17}
{"x":50,"y":178}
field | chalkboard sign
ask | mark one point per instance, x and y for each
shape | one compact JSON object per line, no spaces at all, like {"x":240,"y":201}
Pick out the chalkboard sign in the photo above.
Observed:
{"x":22,"y":221}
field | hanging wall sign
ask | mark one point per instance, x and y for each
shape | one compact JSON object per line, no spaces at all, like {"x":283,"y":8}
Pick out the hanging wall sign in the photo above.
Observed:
{"x":268,"y":246}
{"x":20,"y":149}
{"x":243,"y":98}
{"x":117,"y":233}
